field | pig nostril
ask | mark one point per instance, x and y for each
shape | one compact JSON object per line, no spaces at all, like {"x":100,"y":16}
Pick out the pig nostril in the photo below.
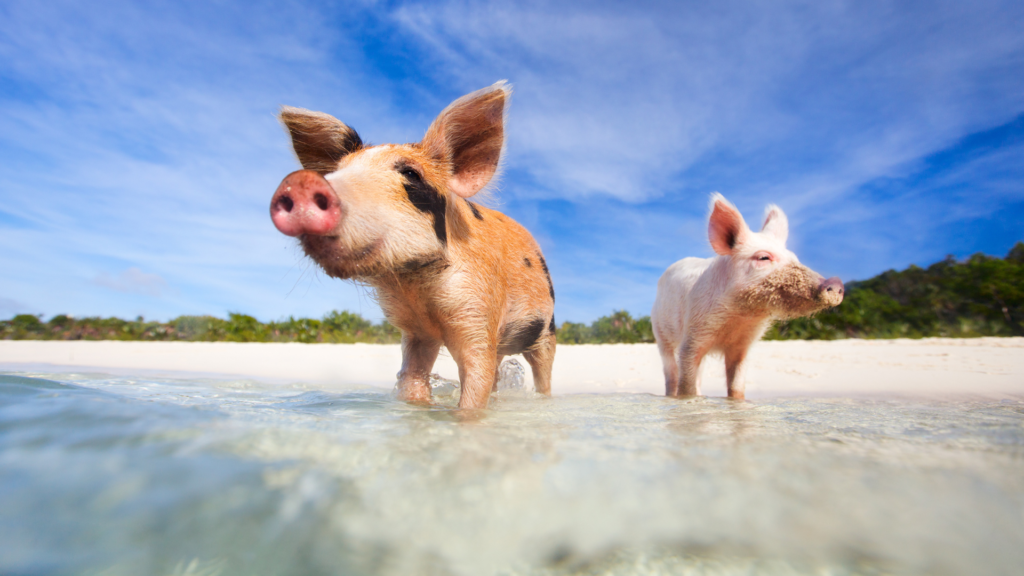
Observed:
{"x":321,"y":201}
{"x":286,"y":203}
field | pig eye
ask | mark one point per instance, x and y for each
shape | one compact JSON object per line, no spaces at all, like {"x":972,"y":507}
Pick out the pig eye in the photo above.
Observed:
{"x":412,"y":175}
{"x":763,"y":257}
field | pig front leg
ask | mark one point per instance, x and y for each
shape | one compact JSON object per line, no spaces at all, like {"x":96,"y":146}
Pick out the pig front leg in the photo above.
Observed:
{"x":735,"y":350}
{"x":477,"y":374}
{"x":735,"y":371}
{"x":541,"y":360}
{"x":689,"y":357}
{"x":418,"y":357}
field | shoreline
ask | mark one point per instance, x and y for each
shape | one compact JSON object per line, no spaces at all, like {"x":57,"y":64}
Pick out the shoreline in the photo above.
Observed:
{"x":979,"y":367}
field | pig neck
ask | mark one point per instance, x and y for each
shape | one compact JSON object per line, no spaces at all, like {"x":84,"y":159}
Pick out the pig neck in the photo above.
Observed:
{"x":409,"y":301}
{"x":423,"y":297}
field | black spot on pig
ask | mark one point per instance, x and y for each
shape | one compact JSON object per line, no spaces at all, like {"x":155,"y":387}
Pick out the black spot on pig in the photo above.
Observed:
{"x":476,"y":211}
{"x":527,"y":262}
{"x":544,"y":265}
{"x":551,"y":327}
{"x":518,"y":337}
{"x":425,"y":198}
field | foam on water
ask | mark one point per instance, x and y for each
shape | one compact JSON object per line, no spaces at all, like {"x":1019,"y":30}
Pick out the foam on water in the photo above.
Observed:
{"x":103,"y":475}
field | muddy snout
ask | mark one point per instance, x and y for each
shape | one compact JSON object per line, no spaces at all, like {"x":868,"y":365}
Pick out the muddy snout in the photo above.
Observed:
{"x":305,"y":203}
{"x":832,"y":291}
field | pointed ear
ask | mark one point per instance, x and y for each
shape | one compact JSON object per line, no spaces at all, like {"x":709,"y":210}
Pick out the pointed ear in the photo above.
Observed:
{"x":775,"y":223}
{"x":726,"y":228}
{"x":470,"y":135}
{"x":320,"y":140}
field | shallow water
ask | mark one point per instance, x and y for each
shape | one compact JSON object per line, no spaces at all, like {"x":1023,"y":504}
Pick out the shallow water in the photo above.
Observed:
{"x":114,"y":475}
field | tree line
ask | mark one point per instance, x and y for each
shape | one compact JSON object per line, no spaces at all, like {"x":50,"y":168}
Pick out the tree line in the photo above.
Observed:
{"x":980,"y":296}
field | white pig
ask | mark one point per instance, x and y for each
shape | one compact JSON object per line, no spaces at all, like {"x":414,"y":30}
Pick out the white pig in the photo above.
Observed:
{"x":726,"y":303}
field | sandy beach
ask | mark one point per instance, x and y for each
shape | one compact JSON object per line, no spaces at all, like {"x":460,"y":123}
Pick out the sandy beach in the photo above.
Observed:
{"x":983,"y":367}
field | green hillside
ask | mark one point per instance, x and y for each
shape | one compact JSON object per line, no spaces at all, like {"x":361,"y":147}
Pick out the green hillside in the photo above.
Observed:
{"x":981,"y":296}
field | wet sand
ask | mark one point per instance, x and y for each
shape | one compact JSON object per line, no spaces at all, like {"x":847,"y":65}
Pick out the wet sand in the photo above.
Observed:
{"x":980,"y":367}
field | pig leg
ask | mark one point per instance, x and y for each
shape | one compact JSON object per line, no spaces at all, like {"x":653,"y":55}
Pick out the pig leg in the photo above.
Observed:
{"x":690,"y":355}
{"x":418,"y":356}
{"x":541,"y":360}
{"x":477,"y":374}
{"x":668,"y":362}
{"x":735,"y":371}
{"x":735,"y":361}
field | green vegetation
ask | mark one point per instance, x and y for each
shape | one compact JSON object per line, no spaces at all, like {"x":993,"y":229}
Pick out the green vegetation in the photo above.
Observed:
{"x":982,"y":296}
{"x":619,"y":328}
{"x":335,"y":327}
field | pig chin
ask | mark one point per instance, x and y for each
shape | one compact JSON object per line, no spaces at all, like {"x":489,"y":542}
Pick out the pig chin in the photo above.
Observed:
{"x":340,"y":261}
{"x":788,"y":292}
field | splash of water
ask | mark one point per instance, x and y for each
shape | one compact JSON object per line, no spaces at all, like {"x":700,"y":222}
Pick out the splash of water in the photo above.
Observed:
{"x":511,"y":377}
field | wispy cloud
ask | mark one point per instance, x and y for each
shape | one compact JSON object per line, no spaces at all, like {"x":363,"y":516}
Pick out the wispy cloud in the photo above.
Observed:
{"x":627,"y":101}
{"x":143,"y":136}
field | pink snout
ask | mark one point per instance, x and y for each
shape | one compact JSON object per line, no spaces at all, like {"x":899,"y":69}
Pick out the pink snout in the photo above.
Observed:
{"x":832,"y":289}
{"x":305,"y":203}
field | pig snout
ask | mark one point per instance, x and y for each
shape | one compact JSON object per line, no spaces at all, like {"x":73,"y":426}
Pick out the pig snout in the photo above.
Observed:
{"x":832,"y":291}
{"x":305,"y":203}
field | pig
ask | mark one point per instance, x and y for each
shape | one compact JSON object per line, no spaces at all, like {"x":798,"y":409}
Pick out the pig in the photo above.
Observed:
{"x":445,"y":270}
{"x":725,"y":303}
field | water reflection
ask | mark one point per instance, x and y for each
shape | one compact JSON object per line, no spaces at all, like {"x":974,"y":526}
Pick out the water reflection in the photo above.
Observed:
{"x":705,"y":416}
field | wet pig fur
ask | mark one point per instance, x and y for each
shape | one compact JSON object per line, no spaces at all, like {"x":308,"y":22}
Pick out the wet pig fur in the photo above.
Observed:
{"x":725,"y":303}
{"x":398,"y":218}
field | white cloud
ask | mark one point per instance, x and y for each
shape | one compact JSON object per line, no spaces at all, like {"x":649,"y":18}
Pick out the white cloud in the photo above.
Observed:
{"x":626,"y":102}
{"x":145,"y":138}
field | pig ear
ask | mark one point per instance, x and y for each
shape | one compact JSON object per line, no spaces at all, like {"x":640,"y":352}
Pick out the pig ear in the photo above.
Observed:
{"x":726,"y":227}
{"x":470,"y":134}
{"x":775,"y":223}
{"x":320,"y":140}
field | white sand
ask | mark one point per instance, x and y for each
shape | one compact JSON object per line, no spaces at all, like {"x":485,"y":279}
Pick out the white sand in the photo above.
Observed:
{"x":988,"y":367}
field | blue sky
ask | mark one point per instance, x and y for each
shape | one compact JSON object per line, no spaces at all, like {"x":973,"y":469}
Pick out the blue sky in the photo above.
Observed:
{"x":139,"y":147}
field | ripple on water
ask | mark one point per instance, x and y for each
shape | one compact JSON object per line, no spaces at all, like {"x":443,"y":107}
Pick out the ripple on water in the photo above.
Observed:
{"x":143,"y":476}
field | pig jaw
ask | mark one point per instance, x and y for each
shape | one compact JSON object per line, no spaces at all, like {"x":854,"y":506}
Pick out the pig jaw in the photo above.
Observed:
{"x":789,"y":291}
{"x":340,"y":262}
{"x":375,"y":260}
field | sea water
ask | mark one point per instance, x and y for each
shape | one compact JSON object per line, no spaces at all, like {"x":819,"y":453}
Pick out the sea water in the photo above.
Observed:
{"x":118,"y":476}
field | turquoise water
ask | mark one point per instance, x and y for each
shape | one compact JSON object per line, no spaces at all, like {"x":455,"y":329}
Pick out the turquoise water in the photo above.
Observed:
{"x":115,"y":475}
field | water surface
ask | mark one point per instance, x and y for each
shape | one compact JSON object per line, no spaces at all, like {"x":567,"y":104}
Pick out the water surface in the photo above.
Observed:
{"x":127,"y":476}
